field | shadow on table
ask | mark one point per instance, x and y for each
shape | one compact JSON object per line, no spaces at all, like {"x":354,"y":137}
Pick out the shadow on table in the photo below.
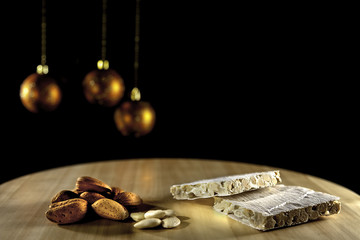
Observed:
{"x":101,"y":226}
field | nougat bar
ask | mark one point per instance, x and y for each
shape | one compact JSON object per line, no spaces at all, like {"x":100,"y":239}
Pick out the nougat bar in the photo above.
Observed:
{"x":277,"y":206}
{"x":225,"y":186}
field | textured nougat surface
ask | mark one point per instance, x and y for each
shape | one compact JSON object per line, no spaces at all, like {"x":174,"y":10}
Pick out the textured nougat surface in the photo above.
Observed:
{"x":225,"y":186}
{"x":277,"y":206}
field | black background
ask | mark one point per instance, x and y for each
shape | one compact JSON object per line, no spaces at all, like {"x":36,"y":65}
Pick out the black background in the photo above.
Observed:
{"x":245,"y":82}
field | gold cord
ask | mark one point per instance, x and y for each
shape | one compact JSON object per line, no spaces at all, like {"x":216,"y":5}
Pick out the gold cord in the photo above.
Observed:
{"x":104,"y":28}
{"x":137,"y":41}
{"x":43,"y":68}
{"x":135,"y":94}
{"x":103,"y":63}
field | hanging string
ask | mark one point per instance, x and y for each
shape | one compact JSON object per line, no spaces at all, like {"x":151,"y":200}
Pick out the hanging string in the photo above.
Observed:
{"x":103,"y":32}
{"x":137,"y":41}
{"x":135,"y":93}
{"x":103,"y":63}
{"x":43,"y":68}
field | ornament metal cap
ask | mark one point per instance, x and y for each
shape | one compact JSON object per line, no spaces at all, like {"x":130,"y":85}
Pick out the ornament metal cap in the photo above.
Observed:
{"x":42,"y":69}
{"x":135,"y":94}
{"x":103,"y":64}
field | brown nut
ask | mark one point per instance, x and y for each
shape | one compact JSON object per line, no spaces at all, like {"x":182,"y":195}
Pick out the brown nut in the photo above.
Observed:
{"x":77,"y":191}
{"x":129,"y":199}
{"x":89,"y":184}
{"x":68,"y":211}
{"x":64,"y":195}
{"x":115,"y":191}
{"x":110,"y":209}
{"x":91,"y":197}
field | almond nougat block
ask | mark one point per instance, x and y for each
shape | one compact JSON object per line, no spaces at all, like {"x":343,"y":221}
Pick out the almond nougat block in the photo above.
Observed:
{"x":225,"y":186}
{"x":277,"y":206}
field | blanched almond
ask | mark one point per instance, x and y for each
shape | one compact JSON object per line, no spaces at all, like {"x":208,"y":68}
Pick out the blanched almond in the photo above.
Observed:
{"x":137,"y":216}
{"x":169,"y":213}
{"x":155,"y":214}
{"x":148,"y":223}
{"x":171,"y":222}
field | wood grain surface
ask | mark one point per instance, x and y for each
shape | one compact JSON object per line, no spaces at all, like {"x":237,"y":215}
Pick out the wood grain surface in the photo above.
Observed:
{"x":23,"y":202}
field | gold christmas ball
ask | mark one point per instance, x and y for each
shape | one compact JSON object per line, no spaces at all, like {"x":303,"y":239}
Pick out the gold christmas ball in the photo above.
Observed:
{"x":135,"y":117}
{"x":40,"y":92}
{"x":103,"y":87}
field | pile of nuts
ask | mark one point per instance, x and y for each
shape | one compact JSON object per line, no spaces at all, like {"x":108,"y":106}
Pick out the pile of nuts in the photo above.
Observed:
{"x":154,"y":218}
{"x":92,"y":195}
{"x":69,"y":206}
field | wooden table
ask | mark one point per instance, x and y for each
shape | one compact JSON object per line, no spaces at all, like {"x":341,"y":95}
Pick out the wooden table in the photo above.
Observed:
{"x":23,"y":202}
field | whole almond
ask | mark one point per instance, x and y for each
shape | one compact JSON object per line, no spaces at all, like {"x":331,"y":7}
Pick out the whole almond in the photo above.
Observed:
{"x":89,"y":184}
{"x":148,"y":223}
{"x":91,"y":197}
{"x":110,"y":209}
{"x":77,"y":191}
{"x":129,"y":199}
{"x":137,"y":216}
{"x":155,"y":214}
{"x":115,"y":192}
{"x":64,"y":195}
{"x":65,"y":202}
{"x":169,"y":213}
{"x":171,"y":222}
{"x":68,"y":211}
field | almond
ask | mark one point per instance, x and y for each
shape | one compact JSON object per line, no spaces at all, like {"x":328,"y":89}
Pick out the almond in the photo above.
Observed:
{"x":170,"y":222}
{"x":155,"y":214}
{"x":169,"y":213}
{"x":129,"y":199}
{"x":77,"y":191}
{"x":91,"y":197}
{"x":65,"y":202}
{"x":68,"y":211}
{"x":115,"y":192}
{"x":137,"y":216}
{"x":64,"y":195}
{"x":110,"y":209}
{"x":89,"y":184}
{"x":148,"y":223}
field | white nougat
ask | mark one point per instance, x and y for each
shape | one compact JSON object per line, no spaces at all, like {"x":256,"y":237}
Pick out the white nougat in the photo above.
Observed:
{"x":277,"y":206}
{"x":225,"y":186}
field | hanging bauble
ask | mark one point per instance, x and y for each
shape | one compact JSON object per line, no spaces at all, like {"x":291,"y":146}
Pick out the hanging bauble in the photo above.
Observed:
{"x":40,"y":92}
{"x":103,"y":87}
{"x":135,"y":117}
